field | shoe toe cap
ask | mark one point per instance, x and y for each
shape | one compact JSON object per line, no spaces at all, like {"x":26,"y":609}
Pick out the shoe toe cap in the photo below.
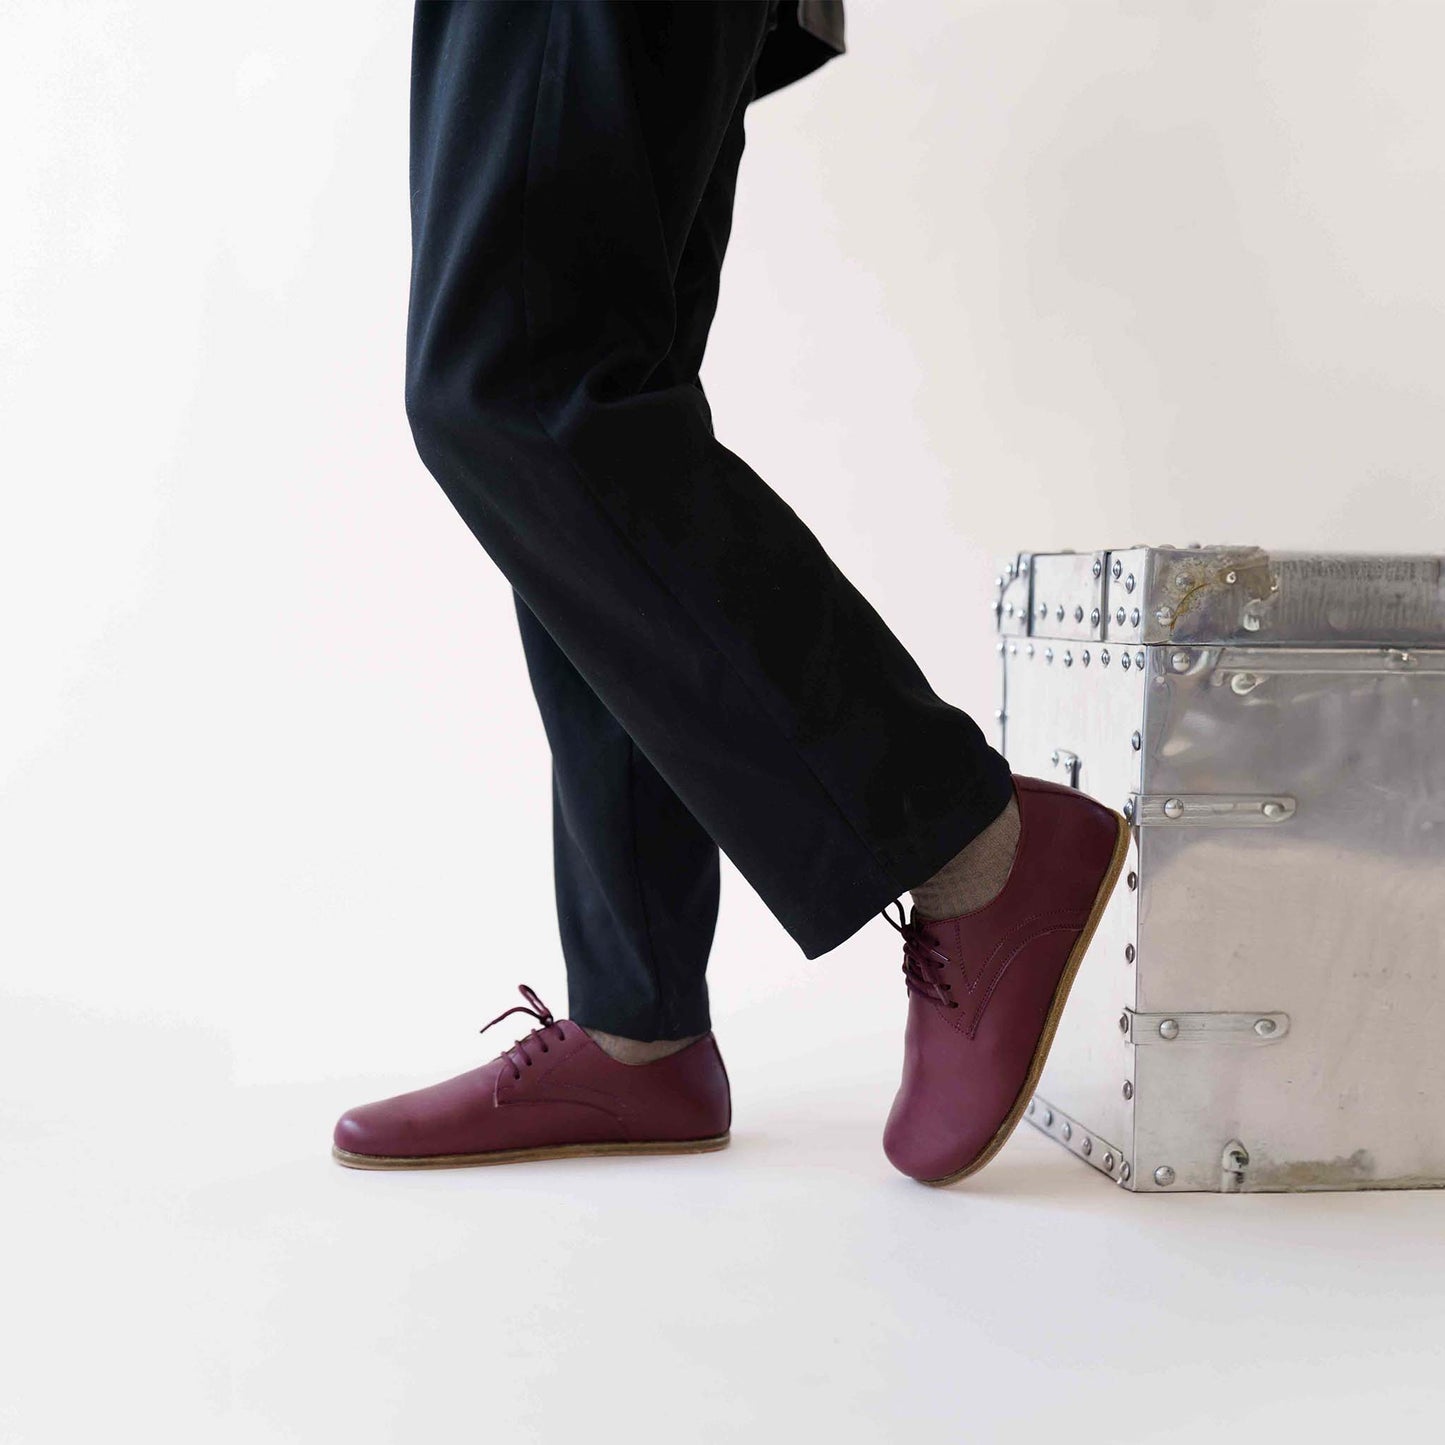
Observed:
{"x":365,"y":1130}
{"x":928,"y":1143}
{"x":917,"y":1157}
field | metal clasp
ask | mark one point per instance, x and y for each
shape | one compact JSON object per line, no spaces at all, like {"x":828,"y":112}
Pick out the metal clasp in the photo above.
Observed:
{"x":1232,"y":1165}
{"x":1204,"y":1028}
{"x":1070,"y":762}
{"x":1232,"y":810}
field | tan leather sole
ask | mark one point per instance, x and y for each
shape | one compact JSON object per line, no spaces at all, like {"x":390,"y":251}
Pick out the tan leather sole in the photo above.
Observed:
{"x":522,"y":1156}
{"x":1056,"y":1009}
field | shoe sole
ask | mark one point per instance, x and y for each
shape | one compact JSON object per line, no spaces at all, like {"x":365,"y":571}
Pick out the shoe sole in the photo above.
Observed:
{"x":522,"y":1156}
{"x":1056,"y":1009}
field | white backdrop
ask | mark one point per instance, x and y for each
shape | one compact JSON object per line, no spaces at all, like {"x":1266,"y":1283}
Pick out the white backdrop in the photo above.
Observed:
{"x":275,"y":793}
{"x":1008,"y":274}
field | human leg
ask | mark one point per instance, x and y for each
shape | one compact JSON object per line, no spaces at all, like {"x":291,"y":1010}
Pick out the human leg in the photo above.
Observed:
{"x":636,"y":877}
{"x":561,"y":154}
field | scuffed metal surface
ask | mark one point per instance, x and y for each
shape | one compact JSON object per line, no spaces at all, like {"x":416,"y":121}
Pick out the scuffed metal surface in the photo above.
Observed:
{"x":1209,"y":593}
{"x":1346,"y":1171}
{"x":1246,"y":594}
{"x":1225,"y":594}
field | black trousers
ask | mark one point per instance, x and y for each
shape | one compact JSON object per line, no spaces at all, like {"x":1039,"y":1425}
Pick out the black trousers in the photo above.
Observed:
{"x":707,"y":676}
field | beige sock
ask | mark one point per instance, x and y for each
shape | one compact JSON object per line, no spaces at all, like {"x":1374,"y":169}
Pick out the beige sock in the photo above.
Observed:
{"x":975,"y":875}
{"x":636,"y":1051}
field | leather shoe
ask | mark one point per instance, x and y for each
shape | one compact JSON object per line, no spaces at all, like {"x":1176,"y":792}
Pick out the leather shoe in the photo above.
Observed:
{"x":987,"y":988}
{"x":554,"y":1094}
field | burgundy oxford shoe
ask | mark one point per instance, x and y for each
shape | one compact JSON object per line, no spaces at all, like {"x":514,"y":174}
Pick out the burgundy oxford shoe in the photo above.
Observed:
{"x":554,"y":1094}
{"x":986,"y":988}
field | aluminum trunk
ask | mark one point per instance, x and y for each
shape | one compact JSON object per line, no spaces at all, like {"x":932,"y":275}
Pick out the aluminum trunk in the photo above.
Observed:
{"x":1264,"y":1002}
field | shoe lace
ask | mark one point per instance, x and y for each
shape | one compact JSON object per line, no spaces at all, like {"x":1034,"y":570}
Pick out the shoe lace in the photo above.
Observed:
{"x":536,"y":1039}
{"x":923,"y":964}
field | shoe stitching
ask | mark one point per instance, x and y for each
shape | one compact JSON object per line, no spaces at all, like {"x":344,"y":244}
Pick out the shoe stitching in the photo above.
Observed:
{"x":983,"y":1003}
{"x":1055,"y":917}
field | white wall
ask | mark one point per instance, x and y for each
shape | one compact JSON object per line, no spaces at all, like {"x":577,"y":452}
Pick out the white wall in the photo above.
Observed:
{"x":1005,"y":275}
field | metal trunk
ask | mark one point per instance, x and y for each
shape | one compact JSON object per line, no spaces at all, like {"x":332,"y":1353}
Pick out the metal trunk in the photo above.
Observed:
{"x":1262,"y":1006}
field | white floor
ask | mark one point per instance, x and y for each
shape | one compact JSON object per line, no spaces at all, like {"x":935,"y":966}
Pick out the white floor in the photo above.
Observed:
{"x":184,"y":1262}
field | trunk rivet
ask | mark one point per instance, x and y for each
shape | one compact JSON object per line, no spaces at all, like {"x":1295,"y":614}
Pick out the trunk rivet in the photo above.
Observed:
{"x":1084,"y":657}
{"x":1128,"y":1089}
{"x":1066,"y":1129}
{"x":1180,"y":661}
{"x":1273,"y":810}
{"x":1103,"y":657}
{"x":1119,"y":617}
{"x":1169,"y":1029}
{"x":1078,"y":614}
{"x":1164,"y":1175}
{"x":1123,"y":1023}
{"x":1098,"y":567}
{"x":1094,"y":618}
{"x":1124,"y":661}
{"x":1265,"y":1027}
{"x":1087,"y":1147}
{"x":1108,"y":1161}
{"x":1128,"y":810}
{"x":1136,"y":741}
{"x":1048,"y":1118}
{"x":1059,"y":612}
{"x":1031,"y":1105}
{"x":1117,"y":570}
{"x":1129,"y":583}
{"x":1164,"y":616}
{"x":1125,"y":1171}
{"x":1068,"y":658}
{"x":1128,"y":953}
{"x":1133,"y":880}
{"x":1173,"y":808}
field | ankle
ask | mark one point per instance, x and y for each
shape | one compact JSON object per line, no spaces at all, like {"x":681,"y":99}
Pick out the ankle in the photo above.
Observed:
{"x":637,"y":1051}
{"x":976,"y":875}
